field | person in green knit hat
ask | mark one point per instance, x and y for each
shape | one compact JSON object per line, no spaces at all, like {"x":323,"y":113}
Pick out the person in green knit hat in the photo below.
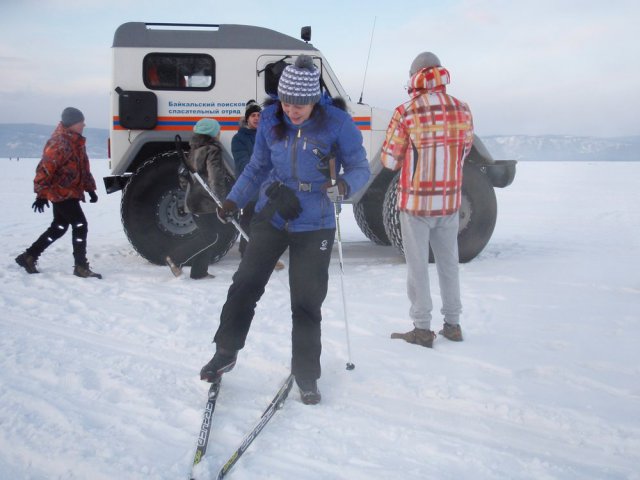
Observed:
{"x":205,"y":159}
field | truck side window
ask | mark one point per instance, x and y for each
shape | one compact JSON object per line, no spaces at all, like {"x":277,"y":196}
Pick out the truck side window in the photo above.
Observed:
{"x":178,"y":71}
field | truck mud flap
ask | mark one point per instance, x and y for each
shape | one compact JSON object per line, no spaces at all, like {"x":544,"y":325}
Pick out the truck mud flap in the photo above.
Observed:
{"x":114,"y":183}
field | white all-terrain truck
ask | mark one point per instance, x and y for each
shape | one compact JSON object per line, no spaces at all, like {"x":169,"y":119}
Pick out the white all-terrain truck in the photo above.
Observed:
{"x":168,"y":76}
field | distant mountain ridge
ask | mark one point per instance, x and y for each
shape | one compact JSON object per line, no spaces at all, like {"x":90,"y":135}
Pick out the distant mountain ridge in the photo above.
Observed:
{"x":563,"y":147}
{"x":26,"y":140}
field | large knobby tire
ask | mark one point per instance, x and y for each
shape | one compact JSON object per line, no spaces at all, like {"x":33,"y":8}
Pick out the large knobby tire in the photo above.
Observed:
{"x":368,"y":211}
{"x":153,"y":216}
{"x":478,"y":213}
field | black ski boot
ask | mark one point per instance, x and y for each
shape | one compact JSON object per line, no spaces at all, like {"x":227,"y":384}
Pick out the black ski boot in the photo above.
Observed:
{"x":222,"y":362}
{"x":83,"y":271}
{"x":309,"y":393}
{"x":27,"y":262}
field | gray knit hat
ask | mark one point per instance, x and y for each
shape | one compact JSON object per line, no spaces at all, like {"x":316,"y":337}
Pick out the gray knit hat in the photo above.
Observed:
{"x":300,"y":83}
{"x":424,"y":60}
{"x":71,"y":116}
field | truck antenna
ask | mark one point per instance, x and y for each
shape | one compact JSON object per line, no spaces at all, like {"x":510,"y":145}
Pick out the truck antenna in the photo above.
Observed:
{"x":368,"y":55}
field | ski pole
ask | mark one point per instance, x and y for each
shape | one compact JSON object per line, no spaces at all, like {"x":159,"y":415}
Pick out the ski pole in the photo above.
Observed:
{"x":200,"y":251}
{"x":219,"y":203}
{"x":336,"y":210}
{"x":211,"y":193}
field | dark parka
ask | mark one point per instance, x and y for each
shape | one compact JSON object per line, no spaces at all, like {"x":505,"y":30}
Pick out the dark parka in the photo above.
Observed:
{"x":205,"y":158}
{"x":242,"y":147}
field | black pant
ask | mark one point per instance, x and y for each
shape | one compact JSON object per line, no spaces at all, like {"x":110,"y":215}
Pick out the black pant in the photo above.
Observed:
{"x":309,"y":257}
{"x":65,"y":213}
{"x":198,"y":255}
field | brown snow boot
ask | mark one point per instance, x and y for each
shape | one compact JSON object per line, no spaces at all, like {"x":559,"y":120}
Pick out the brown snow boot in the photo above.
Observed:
{"x":418,"y":336}
{"x":83,"y":271}
{"x":27,"y":262}
{"x":452,"y":332}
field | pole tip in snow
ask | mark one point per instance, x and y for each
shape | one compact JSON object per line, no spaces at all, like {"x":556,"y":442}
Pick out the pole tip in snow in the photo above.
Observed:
{"x":350,"y":366}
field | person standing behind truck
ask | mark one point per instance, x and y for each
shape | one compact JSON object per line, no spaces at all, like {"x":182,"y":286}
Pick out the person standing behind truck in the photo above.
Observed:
{"x":241,"y":148}
{"x":427,"y":140}
{"x":62,"y":176}
{"x":294,"y":211}
{"x":204,"y":159}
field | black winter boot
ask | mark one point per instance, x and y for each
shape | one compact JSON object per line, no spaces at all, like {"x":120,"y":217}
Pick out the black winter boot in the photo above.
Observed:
{"x":222,"y":362}
{"x":309,"y":393}
{"x":83,"y":271}
{"x":27,"y":262}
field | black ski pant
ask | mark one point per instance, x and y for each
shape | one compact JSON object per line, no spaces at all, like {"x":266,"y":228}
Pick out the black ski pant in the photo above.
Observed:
{"x":65,"y":213}
{"x":309,"y":258}
{"x":198,"y":254}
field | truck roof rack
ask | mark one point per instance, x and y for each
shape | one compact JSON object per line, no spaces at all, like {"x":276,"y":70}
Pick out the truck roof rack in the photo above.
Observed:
{"x":184,"y":35}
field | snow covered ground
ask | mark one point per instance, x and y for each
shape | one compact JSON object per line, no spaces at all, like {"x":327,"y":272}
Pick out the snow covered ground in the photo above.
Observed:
{"x":99,"y":378}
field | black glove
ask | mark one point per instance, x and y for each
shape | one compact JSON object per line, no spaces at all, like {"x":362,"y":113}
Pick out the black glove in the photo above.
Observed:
{"x":284,"y":200}
{"x":93,"y":196}
{"x":39,"y":204}
{"x":228,"y":210}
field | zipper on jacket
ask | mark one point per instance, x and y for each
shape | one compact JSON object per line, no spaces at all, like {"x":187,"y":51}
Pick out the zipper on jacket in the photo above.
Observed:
{"x":294,"y":155}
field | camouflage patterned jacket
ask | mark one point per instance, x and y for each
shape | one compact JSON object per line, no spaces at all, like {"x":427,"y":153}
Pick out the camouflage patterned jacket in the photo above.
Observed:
{"x":63,"y":173}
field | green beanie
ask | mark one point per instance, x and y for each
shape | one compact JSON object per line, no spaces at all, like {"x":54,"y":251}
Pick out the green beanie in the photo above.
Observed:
{"x":207,"y":126}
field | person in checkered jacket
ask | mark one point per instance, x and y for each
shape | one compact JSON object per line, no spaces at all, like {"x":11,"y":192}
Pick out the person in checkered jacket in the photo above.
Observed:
{"x":428,"y":138}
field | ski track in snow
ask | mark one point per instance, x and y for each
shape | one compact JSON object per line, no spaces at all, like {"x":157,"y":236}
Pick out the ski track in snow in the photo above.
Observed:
{"x":99,"y":378}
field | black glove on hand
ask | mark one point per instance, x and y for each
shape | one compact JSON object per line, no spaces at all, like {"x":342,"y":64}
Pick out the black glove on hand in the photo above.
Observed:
{"x":284,"y":200}
{"x":93,"y":196}
{"x":337,"y":192}
{"x":39,"y":204}
{"x":227,"y":211}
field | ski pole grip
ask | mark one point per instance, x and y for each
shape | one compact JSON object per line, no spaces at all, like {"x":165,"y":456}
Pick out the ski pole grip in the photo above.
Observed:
{"x":332,"y":170}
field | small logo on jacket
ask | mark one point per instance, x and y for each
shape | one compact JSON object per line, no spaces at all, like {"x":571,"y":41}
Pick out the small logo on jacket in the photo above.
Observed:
{"x":324,"y":244}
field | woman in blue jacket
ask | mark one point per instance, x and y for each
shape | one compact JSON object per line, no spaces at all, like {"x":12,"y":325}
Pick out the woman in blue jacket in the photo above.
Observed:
{"x":296,"y":136}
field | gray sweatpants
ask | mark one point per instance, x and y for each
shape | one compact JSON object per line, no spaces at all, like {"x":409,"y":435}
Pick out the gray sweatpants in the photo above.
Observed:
{"x":442,"y":233}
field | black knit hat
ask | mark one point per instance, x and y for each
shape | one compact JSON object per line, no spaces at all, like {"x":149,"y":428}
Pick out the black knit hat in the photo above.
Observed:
{"x":71,"y":116}
{"x":251,"y":107}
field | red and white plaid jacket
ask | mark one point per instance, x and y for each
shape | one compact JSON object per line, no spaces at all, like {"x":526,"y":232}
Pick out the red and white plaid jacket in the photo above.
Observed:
{"x":428,"y":138}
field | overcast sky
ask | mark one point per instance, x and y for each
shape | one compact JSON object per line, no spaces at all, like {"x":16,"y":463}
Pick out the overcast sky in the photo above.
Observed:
{"x":537,"y":67}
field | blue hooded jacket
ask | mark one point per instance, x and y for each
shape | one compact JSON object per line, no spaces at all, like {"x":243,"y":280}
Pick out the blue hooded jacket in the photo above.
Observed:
{"x":294,"y":160}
